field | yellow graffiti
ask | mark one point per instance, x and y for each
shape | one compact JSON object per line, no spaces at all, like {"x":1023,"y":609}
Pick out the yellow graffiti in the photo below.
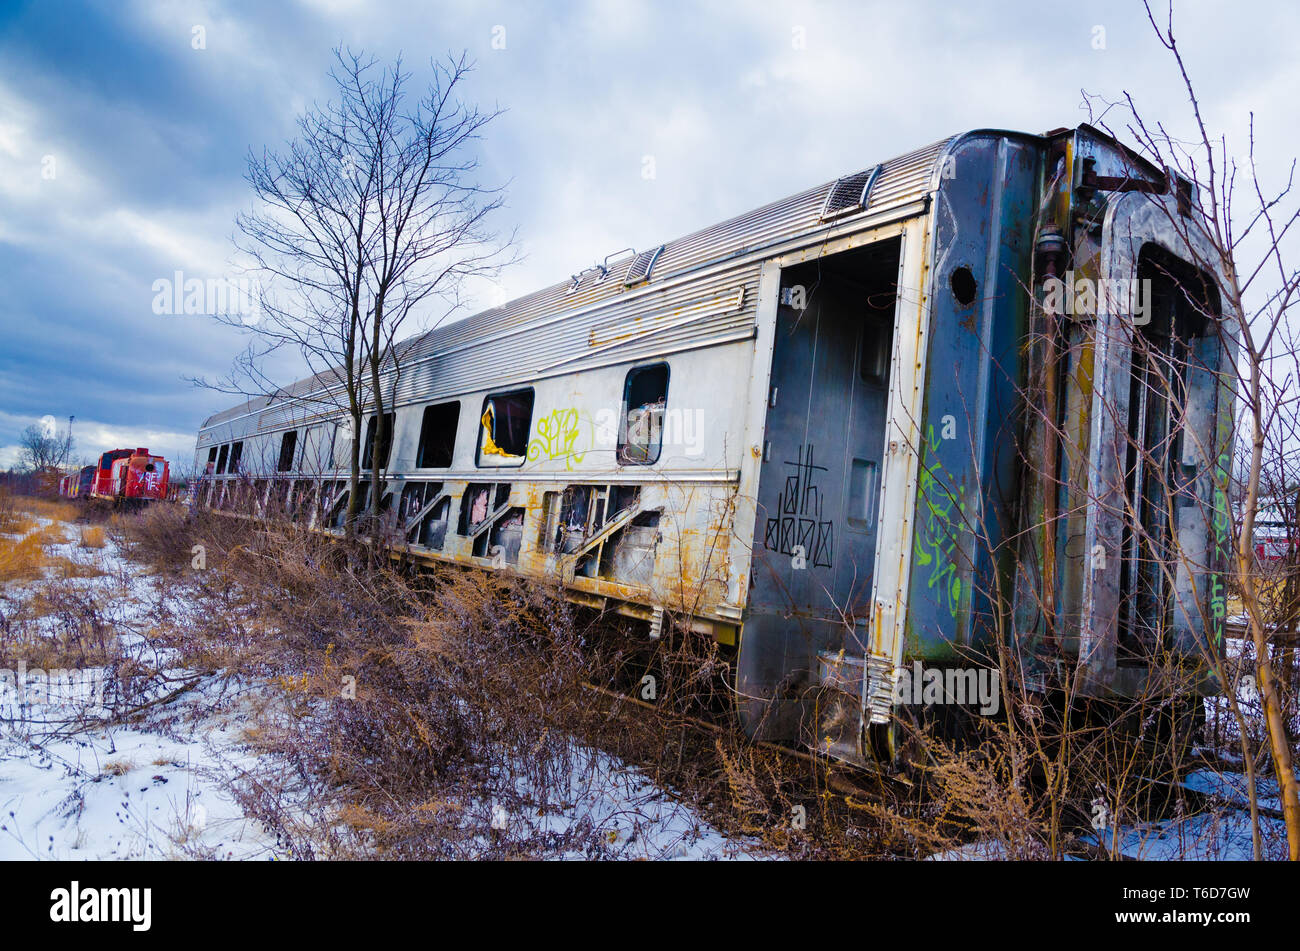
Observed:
{"x":557,"y":435}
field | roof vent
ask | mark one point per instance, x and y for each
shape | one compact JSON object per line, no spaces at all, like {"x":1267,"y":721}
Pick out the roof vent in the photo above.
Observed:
{"x":600,"y":270}
{"x":577,"y":280}
{"x":642,"y":264}
{"x":850,"y":194}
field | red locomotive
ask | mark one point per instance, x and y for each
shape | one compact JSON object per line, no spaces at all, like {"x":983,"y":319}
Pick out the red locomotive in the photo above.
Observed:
{"x":131,"y":475}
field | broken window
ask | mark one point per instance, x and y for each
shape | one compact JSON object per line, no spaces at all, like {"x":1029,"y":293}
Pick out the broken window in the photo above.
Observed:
{"x":236,"y":453}
{"x":212,"y":460}
{"x":504,"y":426}
{"x":336,"y":504}
{"x":288,"y":446}
{"x":385,"y":445}
{"x":645,"y":395}
{"x":221,"y":459}
{"x":438,"y":436}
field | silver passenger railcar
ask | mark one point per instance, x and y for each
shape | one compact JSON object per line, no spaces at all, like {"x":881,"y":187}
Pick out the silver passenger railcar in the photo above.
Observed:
{"x":810,"y":432}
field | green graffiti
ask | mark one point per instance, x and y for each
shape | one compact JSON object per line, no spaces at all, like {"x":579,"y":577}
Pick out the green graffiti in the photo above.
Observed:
{"x":938,"y":529}
{"x":557,"y":435}
{"x":1222,"y":527}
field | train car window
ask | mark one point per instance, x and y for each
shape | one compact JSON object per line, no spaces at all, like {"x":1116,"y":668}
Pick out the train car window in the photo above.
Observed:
{"x":438,"y":436}
{"x":311,"y":455}
{"x":288,"y":446}
{"x":645,"y":397}
{"x":341,"y":444}
{"x":504,"y":425}
{"x":236,"y":452}
{"x":221,"y":459}
{"x":212,"y":457}
{"x":385,"y":445}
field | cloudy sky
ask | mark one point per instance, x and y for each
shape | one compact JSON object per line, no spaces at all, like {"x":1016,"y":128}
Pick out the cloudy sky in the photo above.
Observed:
{"x":124,"y":128}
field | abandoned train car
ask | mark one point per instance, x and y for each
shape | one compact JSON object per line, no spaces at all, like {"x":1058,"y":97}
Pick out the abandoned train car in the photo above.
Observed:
{"x":121,"y":475}
{"x":817,"y":432}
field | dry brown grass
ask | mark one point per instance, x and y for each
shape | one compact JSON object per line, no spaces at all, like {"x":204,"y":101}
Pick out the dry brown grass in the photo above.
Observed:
{"x":25,"y":556}
{"x":92,"y":536}
{"x":53,"y":509}
{"x":61,"y":566}
{"x":22,"y":559}
{"x":409,"y":701}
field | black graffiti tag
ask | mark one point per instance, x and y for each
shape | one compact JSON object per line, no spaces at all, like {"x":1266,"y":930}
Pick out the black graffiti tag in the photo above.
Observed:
{"x":799,"y":522}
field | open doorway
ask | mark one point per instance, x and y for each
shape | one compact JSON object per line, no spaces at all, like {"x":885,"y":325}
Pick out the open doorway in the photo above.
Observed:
{"x":825,"y":434}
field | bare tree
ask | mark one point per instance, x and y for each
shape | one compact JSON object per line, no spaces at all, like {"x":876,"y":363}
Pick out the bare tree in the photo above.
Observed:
{"x":365,"y":228}
{"x":43,"y":450}
{"x":1240,"y":233}
{"x":429,"y":230}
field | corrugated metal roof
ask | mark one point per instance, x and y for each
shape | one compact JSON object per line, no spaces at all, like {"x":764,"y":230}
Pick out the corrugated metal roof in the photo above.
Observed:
{"x":901,"y":180}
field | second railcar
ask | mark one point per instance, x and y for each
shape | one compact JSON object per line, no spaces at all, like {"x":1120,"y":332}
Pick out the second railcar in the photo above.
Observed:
{"x":130,"y":475}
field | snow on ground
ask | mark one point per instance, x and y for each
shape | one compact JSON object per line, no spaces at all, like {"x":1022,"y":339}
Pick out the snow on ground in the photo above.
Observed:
{"x":153,"y":788}
{"x":981,"y":850}
{"x":1219,"y":835}
{"x":160,"y":786}
{"x":127,"y":793}
{"x":634,"y":817}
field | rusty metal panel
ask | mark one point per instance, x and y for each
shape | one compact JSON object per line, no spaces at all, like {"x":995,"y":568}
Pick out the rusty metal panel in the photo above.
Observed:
{"x":969,"y":467}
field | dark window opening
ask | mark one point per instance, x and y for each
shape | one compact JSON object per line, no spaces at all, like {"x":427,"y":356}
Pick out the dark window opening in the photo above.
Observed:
{"x":438,"y":436}
{"x":504,"y":426}
{"x":645,"y":398}
{"x":385,"y":445}
{"x":212,"y":459}
{"x":288,"y":446}
{"x":221,"y":459}
{"x":236,"y":453}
